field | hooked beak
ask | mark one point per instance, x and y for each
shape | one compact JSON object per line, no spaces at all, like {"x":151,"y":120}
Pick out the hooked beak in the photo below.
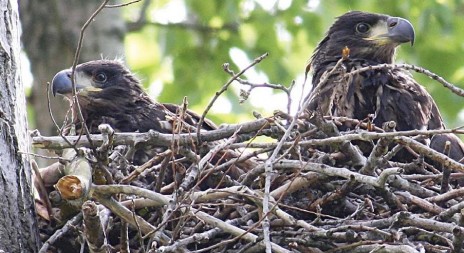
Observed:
{"x":400,"y":30}
{"x":395,"y":30}
{"x":62,"y":83}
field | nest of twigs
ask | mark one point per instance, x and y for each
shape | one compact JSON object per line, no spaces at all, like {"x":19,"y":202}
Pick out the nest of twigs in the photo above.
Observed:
{"x":308,"y":189}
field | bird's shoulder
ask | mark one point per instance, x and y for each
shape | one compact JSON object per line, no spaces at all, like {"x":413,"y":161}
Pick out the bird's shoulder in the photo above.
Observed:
{"x":187,"y":116}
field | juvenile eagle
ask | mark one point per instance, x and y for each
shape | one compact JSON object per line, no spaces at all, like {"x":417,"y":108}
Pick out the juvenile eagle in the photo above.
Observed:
{"x":109,"y":93}
{"x":387,"y":94}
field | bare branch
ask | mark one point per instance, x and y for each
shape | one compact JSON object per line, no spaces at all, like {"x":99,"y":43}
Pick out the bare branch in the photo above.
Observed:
{"x":123,"y":4}
{"x":222,"y":90}
{"x":456,"y":90}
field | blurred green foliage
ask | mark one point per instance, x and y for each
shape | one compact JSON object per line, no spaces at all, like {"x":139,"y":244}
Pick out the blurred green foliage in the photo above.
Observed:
{"x":181,"y":48}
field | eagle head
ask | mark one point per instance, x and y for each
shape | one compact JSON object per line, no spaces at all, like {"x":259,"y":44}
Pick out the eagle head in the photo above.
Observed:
{"x":96,"y":78}
{"x":369,"y":36}
{"x":109,"y":93}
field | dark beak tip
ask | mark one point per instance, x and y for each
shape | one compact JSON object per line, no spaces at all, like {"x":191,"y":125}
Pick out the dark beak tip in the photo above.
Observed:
{"x":412,"y":35}
{"x":61,"y":83}
{"x":402,"y":31}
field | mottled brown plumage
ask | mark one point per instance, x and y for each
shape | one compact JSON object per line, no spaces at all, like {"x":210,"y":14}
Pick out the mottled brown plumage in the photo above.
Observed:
{"x":109,"y":93}
{"x":387,"y":94}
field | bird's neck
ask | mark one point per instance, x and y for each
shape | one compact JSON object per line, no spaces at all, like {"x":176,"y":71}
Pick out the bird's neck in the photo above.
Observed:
{"x":384,"y":55}
{"x":327,"y":55}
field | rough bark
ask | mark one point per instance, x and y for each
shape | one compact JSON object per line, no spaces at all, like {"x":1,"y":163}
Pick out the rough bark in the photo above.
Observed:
{"x":18,"y":232}
{"x":50,"y":36}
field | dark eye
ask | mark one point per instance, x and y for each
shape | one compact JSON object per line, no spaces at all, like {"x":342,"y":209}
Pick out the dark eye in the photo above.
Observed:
{"x":100,"y":77}
{"x":362,"y":28}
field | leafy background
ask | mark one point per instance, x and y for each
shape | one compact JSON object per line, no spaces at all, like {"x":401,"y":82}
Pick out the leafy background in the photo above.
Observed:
{"x":182,"y":44}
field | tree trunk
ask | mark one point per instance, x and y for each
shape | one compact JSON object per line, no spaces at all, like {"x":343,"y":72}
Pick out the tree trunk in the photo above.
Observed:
{"x":18,"y":232}
{"x":50,"y":35}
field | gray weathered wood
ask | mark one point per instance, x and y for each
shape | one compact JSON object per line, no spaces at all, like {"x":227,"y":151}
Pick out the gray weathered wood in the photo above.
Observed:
{"x":18,"y":232}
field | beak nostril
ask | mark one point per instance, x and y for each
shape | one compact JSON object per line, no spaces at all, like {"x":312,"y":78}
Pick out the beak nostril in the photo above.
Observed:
{"x":400,"y":30}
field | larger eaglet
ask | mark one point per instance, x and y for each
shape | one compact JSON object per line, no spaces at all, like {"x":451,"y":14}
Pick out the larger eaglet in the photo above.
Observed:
{"x":385,"y":94}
